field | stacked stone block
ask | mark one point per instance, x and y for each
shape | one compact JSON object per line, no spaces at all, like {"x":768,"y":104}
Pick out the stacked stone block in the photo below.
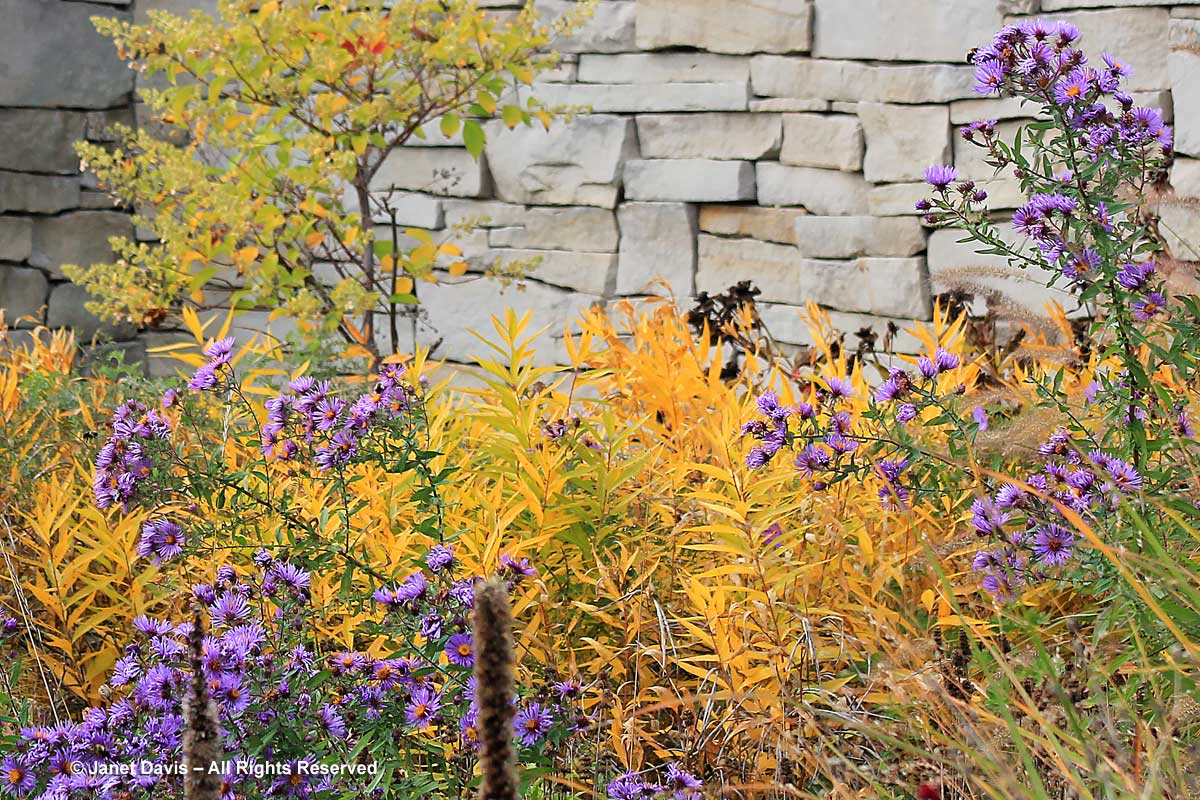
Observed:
{"x":781,"y":141}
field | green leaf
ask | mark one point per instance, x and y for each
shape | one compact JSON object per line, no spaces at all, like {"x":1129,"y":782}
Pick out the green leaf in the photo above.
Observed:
{"x":450,"y":124}
{"x":473,"y":137}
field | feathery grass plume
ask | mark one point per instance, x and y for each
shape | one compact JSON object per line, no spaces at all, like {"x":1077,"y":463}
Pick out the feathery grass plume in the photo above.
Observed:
{"x":494,"y":691}
{"x":201,"y":736}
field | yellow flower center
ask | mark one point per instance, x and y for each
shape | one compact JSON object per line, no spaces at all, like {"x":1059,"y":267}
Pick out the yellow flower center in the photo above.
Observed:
{"x":1074,"y":91}
{"x":464,"y":649}
{"x":15,"y":776}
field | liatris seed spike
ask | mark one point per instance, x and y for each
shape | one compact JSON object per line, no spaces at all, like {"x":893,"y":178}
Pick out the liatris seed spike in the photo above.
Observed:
{"x":202,"y":736}
{"x":494,"y":687}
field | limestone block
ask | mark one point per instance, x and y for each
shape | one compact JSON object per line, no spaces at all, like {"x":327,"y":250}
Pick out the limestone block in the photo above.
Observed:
{"x":1136,"y":35}
{"x":721,"y":136}
{"x":482,"y":213}
{"x":40,"y":140}
{"x":610,"y":29}
{"x":1184,"y":66}
{"x":1185,"y":180}
{"x":955,"y":265}
{"x":23,"y":293}
{"x":639,"y":97}
{"x":1180,"y":226}
{"x":181,"y":8}
{"x":726,"y":26}
{"x":1067,"y":5}
{"x":904,"y":30}
{"x":80,"y":237}
{"x":754,"y":222}
{"x":689,"y":180}
{"x":789,"y":324}
{"x":413,"y":210}
{"x":437,"y":170}
{"x":65,"y":309}
{"x":53,"y":56}
{"x":774,"y":268}
{"x":899,"y":199}
{"x":903,"y":140}
{"x":454,"y":310}
{"x":894,"y":287}
{"x":39,"y":194}
{"x":789,"y":104}
{"x":581,"y":229}
{"x":658,"y":241}
{"x":16,"y":238}
{"x":576,"y":163}
{"x":584,"y":272}
{"x":818,"y":140}
{"x":822,"y":191}
{"x":663,"y":68}
{"x":850,"y":237}
{"x":853,"y":81}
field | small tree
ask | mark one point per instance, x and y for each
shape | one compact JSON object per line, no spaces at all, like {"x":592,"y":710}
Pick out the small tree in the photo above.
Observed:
{"x":270,"y":123}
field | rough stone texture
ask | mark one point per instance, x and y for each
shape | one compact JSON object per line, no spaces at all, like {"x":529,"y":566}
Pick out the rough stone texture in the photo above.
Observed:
{"x":609,"y":30}
{"x":1137,"y":34}
{"x":817,"y":140}
{"x":726,"y":26}
{"x":16,"y":238}
{"x":790,"y":160}
{"x":1180,"y":228}
{"x":694,"y":180}
{"x":1183,"y":66}
{"x":437,"y":170}
{"x":903,"y":140}
{"x":766,"y":224}
{"x":631,"y":68}
{"x":580,"y":229}
{"x":829,"y":79}
{"x":1185,"y":180}
{"x":75,"y":67}
{"x":721,"y":136}
{"x":850,"y":237}
{"x":903,"y":30}
{"x":40,"y":140}
{"x":571,"y":164}
{"x":22,"y":294}
{"x":65,"y":309}
{"x":658,"y":241}
{"x":789,"y":324}
{"x":639,"y":97}
{"x":822,"y":191}
{"x":38,"y":194}
{"x":80,"y":237}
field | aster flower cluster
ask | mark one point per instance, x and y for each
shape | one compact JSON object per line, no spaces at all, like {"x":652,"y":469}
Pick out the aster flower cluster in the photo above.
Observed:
{"x":1104,"y":140}
{"x":676,"y":783}
{"x":279,"y":697}
{"x":1034,"y":535}
{"x":910,"y":394}
{"x":309,"y":417}
{"x":126,"y":461}
{"x":823,"y":424}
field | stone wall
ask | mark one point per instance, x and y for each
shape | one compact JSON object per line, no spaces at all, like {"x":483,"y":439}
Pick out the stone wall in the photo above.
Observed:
{"x":777,"y":140}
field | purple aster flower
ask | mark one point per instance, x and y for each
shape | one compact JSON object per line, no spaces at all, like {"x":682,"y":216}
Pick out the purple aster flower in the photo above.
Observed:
{"x":328,"y":412}
{"x":906,"y":413}
{"x":1134,"y":276}
{"x":532,"y":723}
{"x":841,"y":444}
{"x":163,"y":539}
{"x":683,"y":784}
{"x":940,"y":176}
{"x":768,"y":406}
{"x":440,"y":557}
{"x":989,"y":77}
{"x":229,"y":610}
{"x":1082,"y":265}
{"x":895,"y":387}
{"x":945,"y":361}
{"x":1052,"y":544}
{"x":516,"y":568}
{"x":567,"y":690}
{"x":330,"y":721}
{"x":460,"y":650}
{"x":811,"y":460}
{"x":16,"y":777}
{"x":980,"y":415}
{"x":926,"y":367}
{"x":389,"y":596}
{"x":839,"y":387}
{"x":891,"y":469}
{"x":987,"y":517}
{"x":412,"y":589}
{"x":169,"y":398}
{"x":1149,"y":307}
{"x":293,"y":577}
{"x":219,"y":351}
{"x":151,"y":626}
{"x":1124,"y":477}
{"x":204,"y":378}
{"x":347,"y":663}
{"x":423,"y":706}
{"x":1074,"y":88}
